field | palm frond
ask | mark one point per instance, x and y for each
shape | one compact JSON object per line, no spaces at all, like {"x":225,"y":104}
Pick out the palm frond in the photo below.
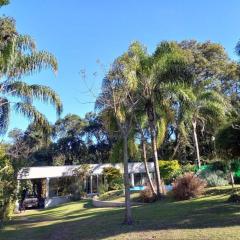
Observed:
{"x":32,"y":63}
{"x":39,"y":92}
{"x":212,"y":96}
{"x":213,"y":112}
{"x":32,"y":113}
{"x":162,"y":128}
{"x":180,"y":91}
{"x":25,"y":43}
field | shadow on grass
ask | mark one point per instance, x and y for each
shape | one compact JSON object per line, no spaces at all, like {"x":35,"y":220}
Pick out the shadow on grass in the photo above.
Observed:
{"x":87,"y":222}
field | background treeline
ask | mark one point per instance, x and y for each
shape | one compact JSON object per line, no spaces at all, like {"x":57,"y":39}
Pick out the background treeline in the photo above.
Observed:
{"x":179,"y":102}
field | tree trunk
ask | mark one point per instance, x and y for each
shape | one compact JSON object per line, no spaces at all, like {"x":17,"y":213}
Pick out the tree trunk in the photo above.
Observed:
{"x":153,"y":133}
{"x":146,"y":165}
{"x":128,"y":213}
{"x":175,"y":150}
{"x":232,"y":179}
{"x":156,"y":165}
{"x":194,"y":124}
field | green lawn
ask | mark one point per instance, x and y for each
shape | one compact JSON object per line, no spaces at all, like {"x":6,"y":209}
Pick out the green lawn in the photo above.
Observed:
{"x":209,"y":217}
{"x":118,"y":196}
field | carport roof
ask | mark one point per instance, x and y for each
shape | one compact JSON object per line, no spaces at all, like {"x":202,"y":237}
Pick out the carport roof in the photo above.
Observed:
{"x":69,"y":170}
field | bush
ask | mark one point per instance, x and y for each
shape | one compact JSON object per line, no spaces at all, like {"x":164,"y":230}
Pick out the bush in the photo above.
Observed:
{"x":8,"y":185}
{"x":169,"y":169}
{"x":187,"y":168}
{"x":214,"y":179}
{"x":188,"y":186}
{"x":102,"y":188}
{"x":117,"y":184}
{"x":6,"y":210}
{"x":234,"y":198}
{"x":113,"y":177}
{"x":147,"y":195}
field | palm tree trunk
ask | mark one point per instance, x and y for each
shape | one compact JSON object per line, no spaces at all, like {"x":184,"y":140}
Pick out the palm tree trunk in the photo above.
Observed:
{"x":153,"y":133}
{"x":194,"y":124}
{"x":128,"y":213}
{"x":156,"y":165}
{"x":232,"y":179}
{"x":146,"y":165}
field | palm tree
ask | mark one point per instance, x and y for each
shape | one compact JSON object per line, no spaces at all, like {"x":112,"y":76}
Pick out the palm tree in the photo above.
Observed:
{"x":208,"y":106}
{"x":19,"y":58}
{"x":114,"y":104}
{"x":153,"y":77}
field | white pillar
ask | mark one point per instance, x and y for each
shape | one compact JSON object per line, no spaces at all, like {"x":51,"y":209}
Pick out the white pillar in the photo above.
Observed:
{"x":132,"y":179}
{"x":47,"y":187}
{"x":142,"y":179}
{"x":97,"y":183}
{"x":91,"y":186}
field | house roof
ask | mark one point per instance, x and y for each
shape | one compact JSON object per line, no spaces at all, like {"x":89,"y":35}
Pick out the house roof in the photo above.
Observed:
{"x":64,"y":171}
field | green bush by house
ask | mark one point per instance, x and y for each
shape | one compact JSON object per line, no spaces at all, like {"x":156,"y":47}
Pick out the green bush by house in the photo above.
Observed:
{"x":113,"y":177}
{"x":169,"y":169}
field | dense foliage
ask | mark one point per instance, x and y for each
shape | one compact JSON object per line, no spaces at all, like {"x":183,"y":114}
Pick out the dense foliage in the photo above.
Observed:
{"x":188,"y":186}
{"x":228,"y":140}
{"x":214,"y":178}
{"x":169,"y":169}
{"x":179,"y":102}
{"x":8,"y":184}
{"x":113,"y":178}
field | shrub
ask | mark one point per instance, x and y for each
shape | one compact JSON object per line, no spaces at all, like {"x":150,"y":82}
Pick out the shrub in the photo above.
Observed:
{"x":8,"y":185}
{"x":113,"y":177}
{"x":187,"y":168}
{"x":102,"y":188}
{"x":188,"y":186}
{"x":214,"y":179}
{"x":234,"y":198}
{"x":147,"y":195}
{"x":184,"y":169}
{"x":169,"y":169}
{"x":117,"y":184}
{"x":6,"y":211}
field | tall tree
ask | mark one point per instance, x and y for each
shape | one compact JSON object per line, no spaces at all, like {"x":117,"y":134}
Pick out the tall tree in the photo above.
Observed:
{"x":154,"y":77}
{"x":114,"y":102}
{"x":207,"y":107}
{"x":228,"y":145}
{"x":4,"y":2}
{"x":68,"y":133}
{"x":19,"y":58}
{"x":211,"y":69}
{"x":98,"y":140}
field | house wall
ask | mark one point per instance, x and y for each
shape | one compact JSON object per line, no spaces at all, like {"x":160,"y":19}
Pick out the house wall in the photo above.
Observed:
{"x":54,"y":201}
{"x":91,"y":185}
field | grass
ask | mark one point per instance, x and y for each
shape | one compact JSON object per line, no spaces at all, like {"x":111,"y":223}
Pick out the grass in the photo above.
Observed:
{"x":118,"y":196}
{"x":208,"y":217}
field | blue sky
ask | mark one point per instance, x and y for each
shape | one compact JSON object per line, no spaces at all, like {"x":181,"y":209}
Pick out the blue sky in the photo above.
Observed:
{"x":79,"y":33}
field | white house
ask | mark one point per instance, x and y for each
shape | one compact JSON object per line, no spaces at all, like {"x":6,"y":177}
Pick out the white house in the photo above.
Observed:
{"x":52,"y":175}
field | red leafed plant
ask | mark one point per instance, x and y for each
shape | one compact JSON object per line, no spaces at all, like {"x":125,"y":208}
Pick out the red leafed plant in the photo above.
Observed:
{"x":188,"y":186}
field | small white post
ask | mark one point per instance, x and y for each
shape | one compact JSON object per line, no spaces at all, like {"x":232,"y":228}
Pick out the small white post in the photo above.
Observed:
{"x":97,"y":183}
{"x":47,"y":187}
{"x":91,"y":186}
{"x":132,"y":179}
